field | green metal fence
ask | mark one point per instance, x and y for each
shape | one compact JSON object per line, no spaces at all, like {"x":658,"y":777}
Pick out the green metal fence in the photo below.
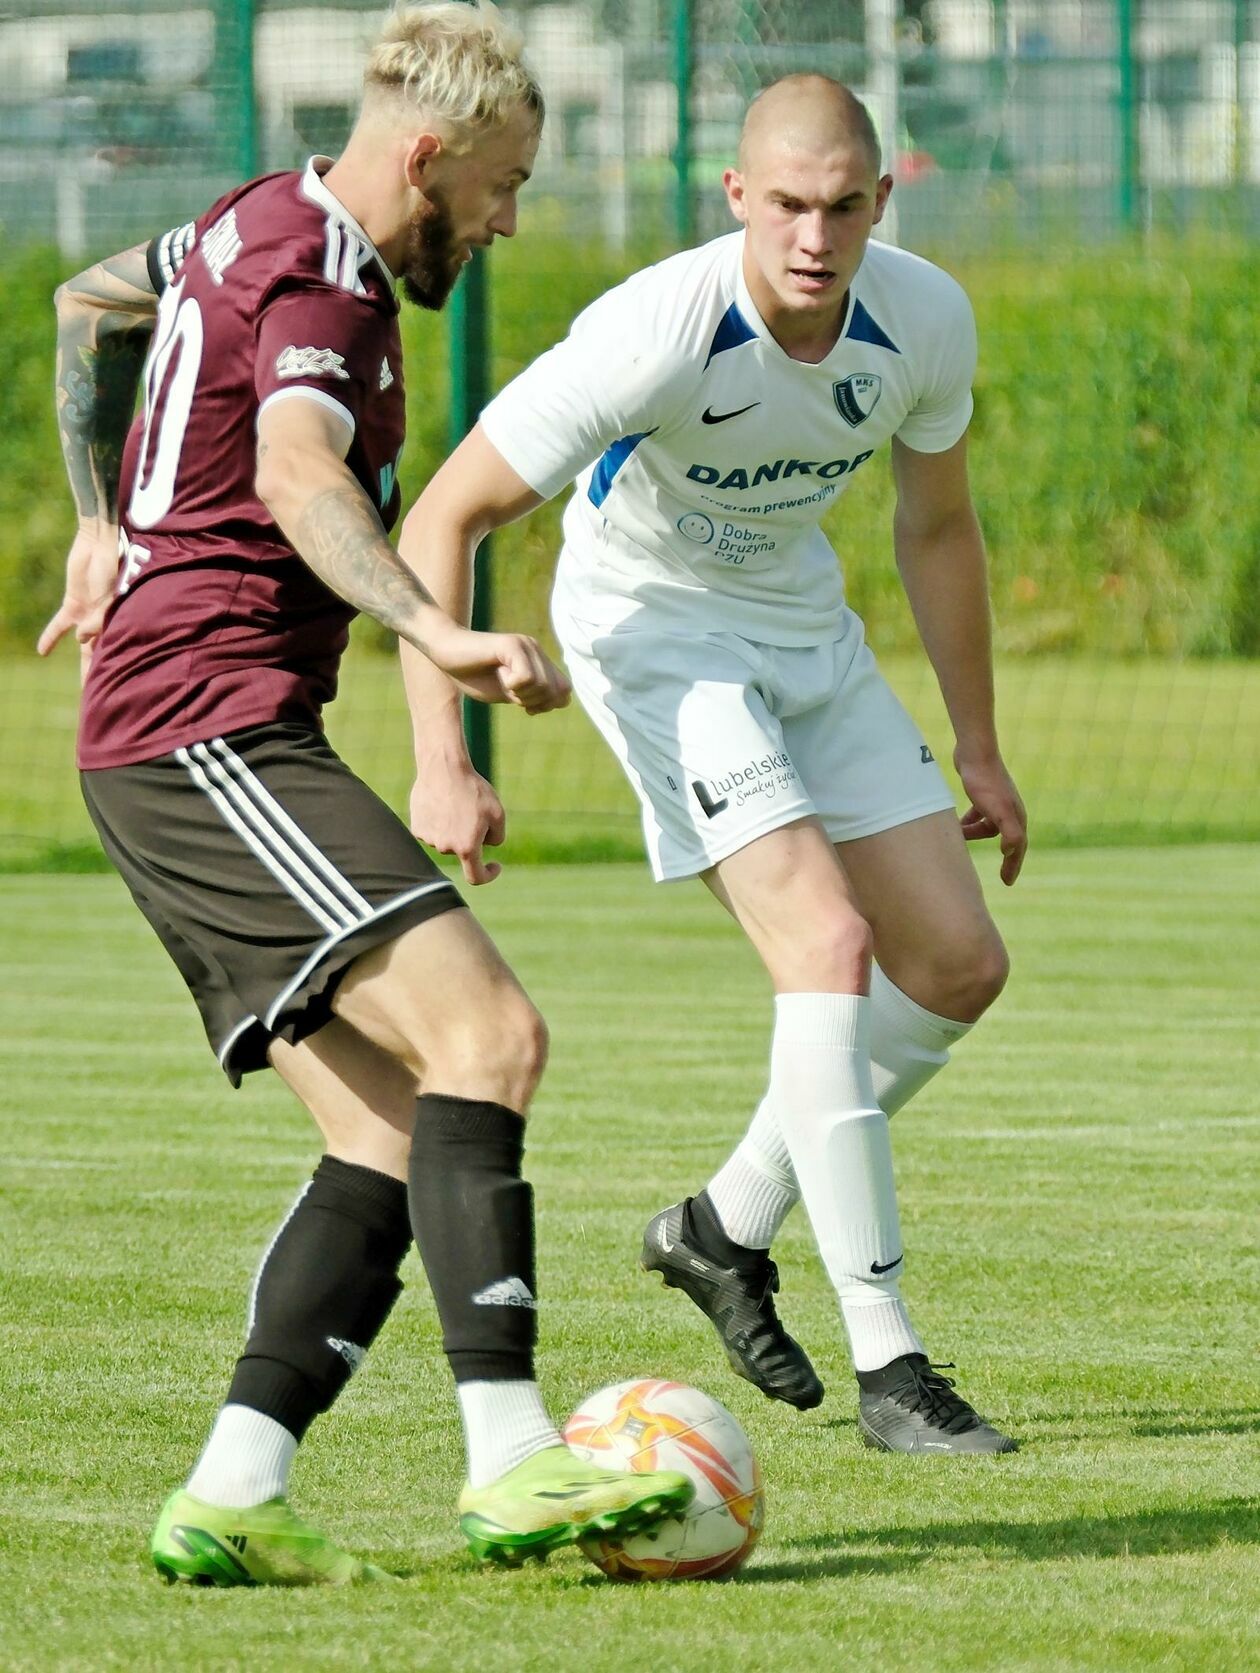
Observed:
{"x":1000,"y":116}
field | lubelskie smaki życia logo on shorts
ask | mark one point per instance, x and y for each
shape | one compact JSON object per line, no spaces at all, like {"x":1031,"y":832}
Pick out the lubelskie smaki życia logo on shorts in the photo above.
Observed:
{"x":764,"y":778}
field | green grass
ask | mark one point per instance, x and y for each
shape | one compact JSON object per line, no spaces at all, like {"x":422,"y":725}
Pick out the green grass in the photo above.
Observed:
{"x":1105,"y":750}
{"x":1078,"y":1193}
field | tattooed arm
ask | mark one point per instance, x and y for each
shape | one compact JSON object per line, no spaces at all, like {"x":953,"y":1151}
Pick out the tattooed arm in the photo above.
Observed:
{"x":322,"y":511}
{"x":104,"y":320}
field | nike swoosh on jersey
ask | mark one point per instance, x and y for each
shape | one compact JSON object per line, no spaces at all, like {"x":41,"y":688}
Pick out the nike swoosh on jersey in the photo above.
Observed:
{"x":708,"y":416}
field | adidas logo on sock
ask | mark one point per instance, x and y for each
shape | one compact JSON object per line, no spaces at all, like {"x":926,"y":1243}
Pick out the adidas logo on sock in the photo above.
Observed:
{"x":505,"y":1292}
{"x":351,"y":1352}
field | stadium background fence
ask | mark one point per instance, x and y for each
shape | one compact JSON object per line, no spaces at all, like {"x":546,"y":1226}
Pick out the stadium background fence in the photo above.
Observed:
{"x":1089,"y":168}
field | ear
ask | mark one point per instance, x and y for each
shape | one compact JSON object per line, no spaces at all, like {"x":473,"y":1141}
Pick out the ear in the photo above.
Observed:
{"x":882,"y":193}
{"x":419,"y":158}
{"x":733,"y":185}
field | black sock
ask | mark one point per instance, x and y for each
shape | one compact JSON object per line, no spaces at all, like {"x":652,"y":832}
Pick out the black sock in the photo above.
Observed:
{"x":473,"y":1219}
{"x":702,"y":1227}
{"x":324,"y":1290}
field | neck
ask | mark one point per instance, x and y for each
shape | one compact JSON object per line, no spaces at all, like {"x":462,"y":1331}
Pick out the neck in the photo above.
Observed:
{"x":809,"y":336}
{"x":359,"y":189}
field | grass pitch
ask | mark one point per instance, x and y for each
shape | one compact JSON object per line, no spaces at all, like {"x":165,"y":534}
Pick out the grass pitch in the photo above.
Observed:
{"x":1079,"y":1200}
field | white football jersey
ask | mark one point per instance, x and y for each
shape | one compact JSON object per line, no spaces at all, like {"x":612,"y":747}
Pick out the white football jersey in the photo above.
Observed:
{"x":705,"y":456}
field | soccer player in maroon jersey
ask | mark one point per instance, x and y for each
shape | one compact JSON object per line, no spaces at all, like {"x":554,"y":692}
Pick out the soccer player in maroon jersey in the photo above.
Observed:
{"x":221,"y":555}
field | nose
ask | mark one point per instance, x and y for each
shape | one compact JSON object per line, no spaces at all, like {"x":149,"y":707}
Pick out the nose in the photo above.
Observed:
{"x":814,"y":240}
{"x":503,"y":221}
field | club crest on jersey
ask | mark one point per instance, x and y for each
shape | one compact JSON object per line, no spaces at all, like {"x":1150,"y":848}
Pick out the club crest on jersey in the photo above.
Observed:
{"x":294,"y":362}
{"x":857,"y":396}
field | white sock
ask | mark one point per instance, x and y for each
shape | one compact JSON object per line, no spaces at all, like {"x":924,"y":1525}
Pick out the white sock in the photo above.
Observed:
{"x":504,"y":1424}
{"x":755,"y":1189}
{"x":837,"y":1137}
{"x":908,"y":1044}
{"x":245,"y":1462}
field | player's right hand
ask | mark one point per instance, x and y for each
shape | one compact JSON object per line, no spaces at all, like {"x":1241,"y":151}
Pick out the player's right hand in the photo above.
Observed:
{"x":91,"y":573}
{"x":501,"y":668}
{"x":459,"y":812}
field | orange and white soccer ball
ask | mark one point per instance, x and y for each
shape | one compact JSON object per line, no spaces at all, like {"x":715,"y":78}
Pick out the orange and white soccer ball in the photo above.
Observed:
{"x":658,"y":1425}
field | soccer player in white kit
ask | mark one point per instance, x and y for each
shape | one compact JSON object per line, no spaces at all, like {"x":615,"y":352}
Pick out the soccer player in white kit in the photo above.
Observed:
{"x":711,"y":408}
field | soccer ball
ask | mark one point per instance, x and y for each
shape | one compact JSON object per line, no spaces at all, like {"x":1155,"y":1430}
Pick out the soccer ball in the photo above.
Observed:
{"x":658,"y":1425}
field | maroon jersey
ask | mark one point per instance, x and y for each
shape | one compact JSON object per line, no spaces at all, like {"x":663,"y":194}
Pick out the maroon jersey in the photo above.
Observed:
{"x":217,"y":623}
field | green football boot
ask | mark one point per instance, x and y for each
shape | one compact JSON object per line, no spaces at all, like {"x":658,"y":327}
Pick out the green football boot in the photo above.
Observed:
{"x":555,"y":1498}
{"x":266,"y":1545}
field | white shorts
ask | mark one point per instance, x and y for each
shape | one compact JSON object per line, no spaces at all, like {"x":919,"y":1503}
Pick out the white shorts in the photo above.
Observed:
{"x":724,"y":739}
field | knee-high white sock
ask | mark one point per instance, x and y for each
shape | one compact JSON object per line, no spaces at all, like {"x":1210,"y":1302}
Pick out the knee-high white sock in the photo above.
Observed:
{"x":837,"y":1137}
{"x":755,"y":1189}
{"x":908,"y":1043}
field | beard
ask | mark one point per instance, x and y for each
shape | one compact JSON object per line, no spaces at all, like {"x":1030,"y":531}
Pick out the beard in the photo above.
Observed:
{"x":432,"y":261}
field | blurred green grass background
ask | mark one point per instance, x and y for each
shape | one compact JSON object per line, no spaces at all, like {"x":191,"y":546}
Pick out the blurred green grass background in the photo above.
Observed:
{"x":1113,"y":461}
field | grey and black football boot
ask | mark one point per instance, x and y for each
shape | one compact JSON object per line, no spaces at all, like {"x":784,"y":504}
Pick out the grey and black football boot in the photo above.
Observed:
{"x":910,"y":1407}
{"x":739,"y":1301}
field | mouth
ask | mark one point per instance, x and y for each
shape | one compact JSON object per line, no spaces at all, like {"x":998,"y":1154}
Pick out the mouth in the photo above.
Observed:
{"x":812,"y":280}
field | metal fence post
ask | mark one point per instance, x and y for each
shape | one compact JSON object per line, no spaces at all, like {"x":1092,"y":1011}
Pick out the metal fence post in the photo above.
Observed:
{"x":684,"y":60}
{"x":470,"y":380}
{"x":1130,"y":158}
{"x":470,"y":389}
{"x":233,"y":79}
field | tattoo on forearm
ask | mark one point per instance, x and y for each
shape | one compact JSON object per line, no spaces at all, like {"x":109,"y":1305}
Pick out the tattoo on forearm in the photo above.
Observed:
{"x":341,"y":538}
{"x":104,"y":323}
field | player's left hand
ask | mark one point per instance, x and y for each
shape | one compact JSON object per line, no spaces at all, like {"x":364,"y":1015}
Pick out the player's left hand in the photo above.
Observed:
{"x":995,"y":810}
{"x":458,"y":812}
{"x":91,"y":573}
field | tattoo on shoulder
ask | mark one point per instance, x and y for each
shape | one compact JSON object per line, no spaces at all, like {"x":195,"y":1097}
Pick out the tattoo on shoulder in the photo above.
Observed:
{"x":119,"y":281}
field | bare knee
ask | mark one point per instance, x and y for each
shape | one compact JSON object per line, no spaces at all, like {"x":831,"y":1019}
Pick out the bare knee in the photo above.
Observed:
{"x":959,"y":980}
{"x":831,"y":955}
{"x":524,"y":1047}
{"x":991,"y":973}
{"x":497,"y":1056}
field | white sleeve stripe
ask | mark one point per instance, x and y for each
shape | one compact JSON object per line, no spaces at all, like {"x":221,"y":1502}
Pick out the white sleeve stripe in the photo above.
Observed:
{"x":332,"y":250}
{"x":308,"y":394}
{"x":344,"y":255}
{"x":173,"y":248}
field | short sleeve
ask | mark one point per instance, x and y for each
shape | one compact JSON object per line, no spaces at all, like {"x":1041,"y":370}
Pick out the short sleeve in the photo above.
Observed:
{"x":606,"y":380}
{"x":323,"y":344}
{"x":943,"y":411}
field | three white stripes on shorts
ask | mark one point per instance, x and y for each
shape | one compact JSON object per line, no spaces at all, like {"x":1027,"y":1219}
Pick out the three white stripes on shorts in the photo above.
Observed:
{"x":283,"y":847}
{"x":248,"y":807}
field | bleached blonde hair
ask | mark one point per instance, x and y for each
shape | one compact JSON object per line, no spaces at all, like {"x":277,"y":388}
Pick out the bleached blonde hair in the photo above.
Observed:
{"x":456,"y":62}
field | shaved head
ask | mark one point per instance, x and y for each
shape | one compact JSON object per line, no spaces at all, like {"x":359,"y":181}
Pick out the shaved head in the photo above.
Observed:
{"x":807,"y":113}
{"x":808,"y":192}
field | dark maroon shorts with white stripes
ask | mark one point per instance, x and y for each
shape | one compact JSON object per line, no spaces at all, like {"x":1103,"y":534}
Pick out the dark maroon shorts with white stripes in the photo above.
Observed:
{"x":266,"y":867}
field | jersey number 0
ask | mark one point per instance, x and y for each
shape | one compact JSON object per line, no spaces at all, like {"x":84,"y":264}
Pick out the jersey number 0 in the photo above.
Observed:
{"x":169,"y":382}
